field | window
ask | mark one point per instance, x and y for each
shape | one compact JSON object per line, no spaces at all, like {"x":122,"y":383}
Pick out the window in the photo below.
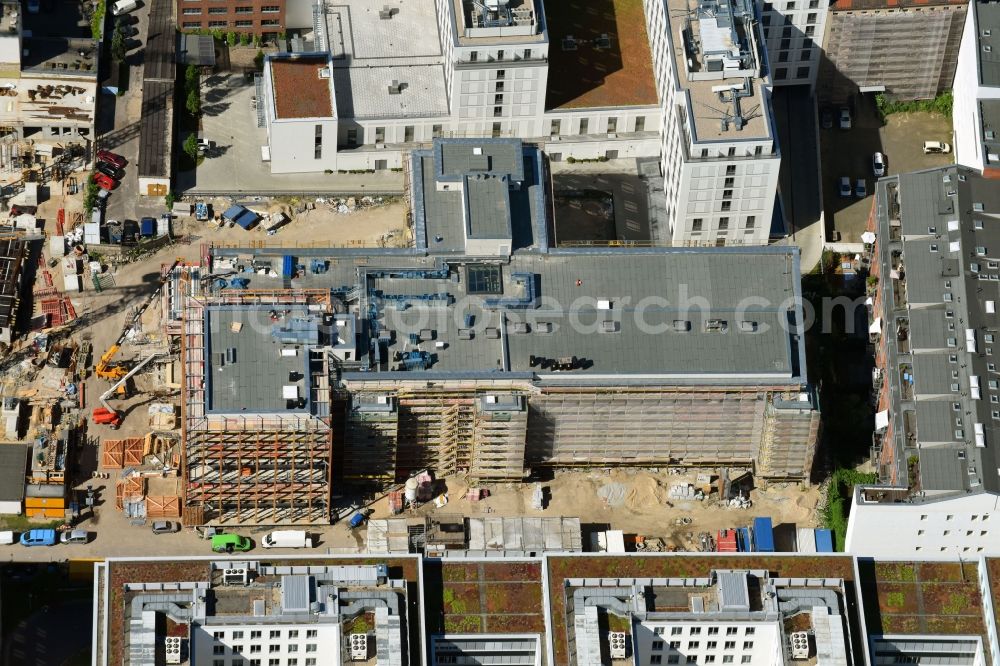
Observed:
{"x":813,"y":4}
{"x":192,"y":24}
{"x":218,"y":662}
{"x":244,"y":10}
{"x":498,"y":112}
{"x":710,"y":659}
{"x":274,"y":662}
{"x":673,"y":659}
{"x":498,"y":86}
{"x":310,"y":647}
{"x":657,"y":631}
{"x":933,"y":247}
{"x":712,"y":631}
{"x":244,"y":24}
{"x":747,"y":645}
{"x":949,"y":517}
{"x":496,"y":130}
{"x":692,"y":659}
{"x":730,"y":182}
{"x":474,"y":56}
{"x":656,"y":659}
{"x":750,"y":631}
{"x":310,"y":661}
{"x":923,"y":516}
{"x":640,"y":124}
{"x":236,"y":636}
{"x":436,"y":131}
{"x":696,"y":224}
{"x":757,"y":150}
{"x":696,"y":631}
{"x":501,"y":73}
{"x":811,"y":17}
{"x":255,"y":662}
{"x":704,"y":152}
{"x":805,"y":54}
{"x":786,"y":32}
{"x":780,"y":74}
{"x":802,"y":73}
{"x":711,"y":645}
{"x":272,"y":23}
{"x":407,"y":138}
{"x":730,"y":645}
{"x":527,"y":54}
{"x":352,"y":137}
{"x":218,"y":24}
{"x":379,"y":135}
{"x":192,"y":11}
{"x":237,"y":649}
{"x":731,"y":170}
{"x":500,"y":54}
{"x":675,"y":645}
{"x":785,"y":44}
{"x":273,"y":647}
{"x":555,"y":127}
{"x":584,"y":125}
{"x":254,"y":648}
{"x":612,"y":125}
{"x":727,"y":194}
{"x":254,"y":634}
{"x":810,"y":31}
{"x":731,"y":152}
{"x":745,"y":659}
{"x":656,"y":646}
{"x":751,"y":221}
{"x":270,"y":9}
{"x":218,"y":10}
{"x":318,"y":146}
{"x":293,"y":647}
{"x":218,"y":649}
{"x":292,"y":662}
{"x":723,"y":226}
{"x":726,"y":206}
{"x":693,"y":645}
{"x":727,"y":659}
{"x":311,"y":633}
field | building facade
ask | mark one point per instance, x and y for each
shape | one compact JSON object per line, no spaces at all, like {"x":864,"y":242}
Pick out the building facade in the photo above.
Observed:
{"x":793,"y":32}
{"x":976,"y":112}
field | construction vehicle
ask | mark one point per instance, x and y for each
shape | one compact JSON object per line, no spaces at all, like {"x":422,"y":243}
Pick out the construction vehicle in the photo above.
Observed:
{"x":115,"y":372}
{"x":104,"y":416}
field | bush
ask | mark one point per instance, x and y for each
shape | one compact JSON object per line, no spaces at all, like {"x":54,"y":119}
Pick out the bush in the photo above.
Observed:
{"x":244,"y":39}
{"x":838,"y":501}
{"x":97,"y":20}
{"x":190,"y":147}
{"x":570,"y":160}
{"x":169,"y":200}
{"x":90,"y":195}
{"x":190,"y":78}
{"x":258,"y":61}
{"x":231,"y":38}
{"x":118,"y":44}
{"x":942,"y":104}
{"x":193,"y":103}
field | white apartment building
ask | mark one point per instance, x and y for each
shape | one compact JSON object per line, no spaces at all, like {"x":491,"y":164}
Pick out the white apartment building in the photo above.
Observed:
{"x":793,"y":32}
{"x":719,"y":155}
{"x":976,"y":112}
{"x":223,"y":643}
{"x":693,"y":641}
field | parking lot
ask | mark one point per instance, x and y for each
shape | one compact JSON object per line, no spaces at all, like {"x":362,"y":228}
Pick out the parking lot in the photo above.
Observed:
{"x":234,"y":164}
{"x":849,"y":153}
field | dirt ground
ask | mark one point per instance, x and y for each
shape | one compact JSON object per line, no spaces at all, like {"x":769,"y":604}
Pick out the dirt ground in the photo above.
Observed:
{"x":645,"y":509}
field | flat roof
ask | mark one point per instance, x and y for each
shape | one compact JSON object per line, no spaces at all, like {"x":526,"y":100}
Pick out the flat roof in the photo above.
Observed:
{"x":197,"y":50}
{"x":155,"y":134}
{"x":160,"y":49}
{"x":487,"y":210}
{"x":299,"y":89}
{"x":524,"y":24}
{"x":357,"y":31}
{"x":13,"y":467}
{"x":621,"y":75}
{"x":363,"y":92}
{"x":711,"y":42}
{"x":661,"y":315}
{"x":249,"y":369}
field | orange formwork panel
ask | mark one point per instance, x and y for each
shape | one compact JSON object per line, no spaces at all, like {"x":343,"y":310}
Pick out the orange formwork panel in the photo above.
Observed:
{"x":112,"y":456}
{"x":163,"y":506}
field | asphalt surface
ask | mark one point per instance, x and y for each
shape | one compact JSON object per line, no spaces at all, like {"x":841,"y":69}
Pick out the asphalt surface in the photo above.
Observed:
{"x":51,"y":636}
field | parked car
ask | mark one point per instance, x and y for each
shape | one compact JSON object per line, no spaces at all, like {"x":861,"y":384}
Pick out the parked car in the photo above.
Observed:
{"x":39,"y":538}
{"x":826,"y":119}
{"x":205,"y":144}
{"x":109,"y":170}
{"x":112,"y":158}
{"x":228,"y":543}
{"x":127,"y":30}
{"x":124,"y":7}
{"x":131,"y":43}
{"x":164,"y":527}
{"x":127,"y":19}
{"x":74,"y":536}
{"x":844,"y":118}
{"x":936,"y":147}
{"x":878,"y":165}
{"x":34,"y":6}
{"x":287,"y":539}
{"x":860,"y":188}
{"x":104,"y":182}
{"x":845,"y":187}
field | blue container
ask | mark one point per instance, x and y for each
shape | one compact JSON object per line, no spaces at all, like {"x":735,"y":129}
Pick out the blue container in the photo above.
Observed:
{"x":824,"y":541}
{"x":147,"y":227}
{"x":743,"y":540}
{"x":763,"y":535}
{"x":287,"y":266}
{"x":357,"y":520}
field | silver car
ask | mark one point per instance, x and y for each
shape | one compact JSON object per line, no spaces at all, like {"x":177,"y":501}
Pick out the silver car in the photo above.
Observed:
{"x":164,"y":527}
{"x":74,"y":536}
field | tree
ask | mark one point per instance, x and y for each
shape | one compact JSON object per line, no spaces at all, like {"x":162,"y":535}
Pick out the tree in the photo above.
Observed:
{"x":258,"y":61}
{"x":118,"y":44}
{"x":193,"y":103}
{"x":191,"y":147}
{"x":171,"y":198}
{"x":191,"y":78}
{"x":231,"y":38}
{"x":244,"y":39}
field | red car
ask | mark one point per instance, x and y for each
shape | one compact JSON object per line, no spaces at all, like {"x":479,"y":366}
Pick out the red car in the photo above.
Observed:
{"x":112,"y":158}
{"x":104,"y":182}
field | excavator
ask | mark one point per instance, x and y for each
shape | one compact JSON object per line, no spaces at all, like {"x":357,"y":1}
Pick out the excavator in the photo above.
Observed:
{"x":119,"y":373}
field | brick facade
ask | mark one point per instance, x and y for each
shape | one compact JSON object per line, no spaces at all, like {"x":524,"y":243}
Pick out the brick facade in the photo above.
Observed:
{"x":259,"y":17}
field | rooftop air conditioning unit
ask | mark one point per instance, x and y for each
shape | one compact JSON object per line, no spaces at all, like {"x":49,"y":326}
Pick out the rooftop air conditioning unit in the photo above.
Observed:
{"x":172,"y":648}
{"x":234,"y":576}
{"x":616,"y":644}
{"x":800,"y":645}
{"x":324,"y":73}
{"x":359,"y":647}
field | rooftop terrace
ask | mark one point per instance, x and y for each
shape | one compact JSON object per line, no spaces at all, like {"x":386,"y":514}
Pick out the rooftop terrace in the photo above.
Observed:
{"x":302,"y":87}
{"x":619,"y":75}
{"x":516,"y":22}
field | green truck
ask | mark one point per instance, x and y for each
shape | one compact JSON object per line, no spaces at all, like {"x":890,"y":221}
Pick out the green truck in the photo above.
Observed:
{"x":228,"y":543}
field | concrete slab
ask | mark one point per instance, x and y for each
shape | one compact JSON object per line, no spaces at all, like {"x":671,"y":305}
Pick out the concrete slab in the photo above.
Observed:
{"x":235,"y":167}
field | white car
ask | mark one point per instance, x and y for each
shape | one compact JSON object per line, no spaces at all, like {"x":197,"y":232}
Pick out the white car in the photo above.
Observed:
{"x":844,"y":118}
{"x":860,"y":189}
{"x":936,"y":147}
{"x":878,"y":165}
{"x":845,"y":187}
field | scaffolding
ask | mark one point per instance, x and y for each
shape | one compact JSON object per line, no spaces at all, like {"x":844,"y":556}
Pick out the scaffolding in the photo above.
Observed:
{"x":252,"y":468}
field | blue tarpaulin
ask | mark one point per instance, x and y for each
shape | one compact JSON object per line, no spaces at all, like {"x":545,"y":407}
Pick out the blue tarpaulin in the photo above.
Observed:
{"x":244,"y":217}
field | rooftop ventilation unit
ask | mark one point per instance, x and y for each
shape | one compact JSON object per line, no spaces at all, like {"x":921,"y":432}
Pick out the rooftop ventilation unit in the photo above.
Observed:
{"x":978,"y":206}
{"x":568,"y":43}
{"x":800,"y":645}
{"x":610,"y":326}
{"x":602,"y":42}
{"x":324,"y":73}
{"x":172,"y":648}
{"x":396,"y":87}
{"x":359,"y":647}
{"x":990,"y":134}
{"x":616,"y":644}
{"x":988,"y":48}
{"x":234,"y":576}
{"x":387,"y":12}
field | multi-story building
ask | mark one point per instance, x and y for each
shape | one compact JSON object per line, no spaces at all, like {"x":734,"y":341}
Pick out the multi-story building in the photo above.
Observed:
{"x":869,"y":47}
{"x":48,"y":81}
{"x":934,"y":326}
{"x":719,"y":156}
{"x":258,"y":17}
{"x":483,"y":350}
{"x":793,"y":32}
{"x":976,"y":112}
{"x":13,"y":255}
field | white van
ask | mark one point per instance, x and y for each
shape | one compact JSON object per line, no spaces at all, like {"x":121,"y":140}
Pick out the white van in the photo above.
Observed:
{"x":287,"y":539}
{"x":936,"y":147}
{"x":124,"y":7}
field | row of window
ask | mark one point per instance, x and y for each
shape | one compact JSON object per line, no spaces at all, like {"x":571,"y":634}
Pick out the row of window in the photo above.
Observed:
{"x":220,"y":11}
{"x":500,"y":55}
{"x":791,"y":6}
{"x":256,"y":648}
{"x":555,"y":129}
{"x":712,"y":631}
{"x":781,"y":73}
{"x":974,"y":517}
{"x":655,"y":659}
{"x":273,"y":633}
{"x":657,"y":646}
{"x":266,"y":23}
{"x":274,"y":661}
{"x":697,"y":224}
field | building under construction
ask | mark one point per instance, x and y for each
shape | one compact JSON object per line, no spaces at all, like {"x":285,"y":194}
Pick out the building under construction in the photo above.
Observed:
{"x":483,"y":351}
{"x":13,"y":251}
